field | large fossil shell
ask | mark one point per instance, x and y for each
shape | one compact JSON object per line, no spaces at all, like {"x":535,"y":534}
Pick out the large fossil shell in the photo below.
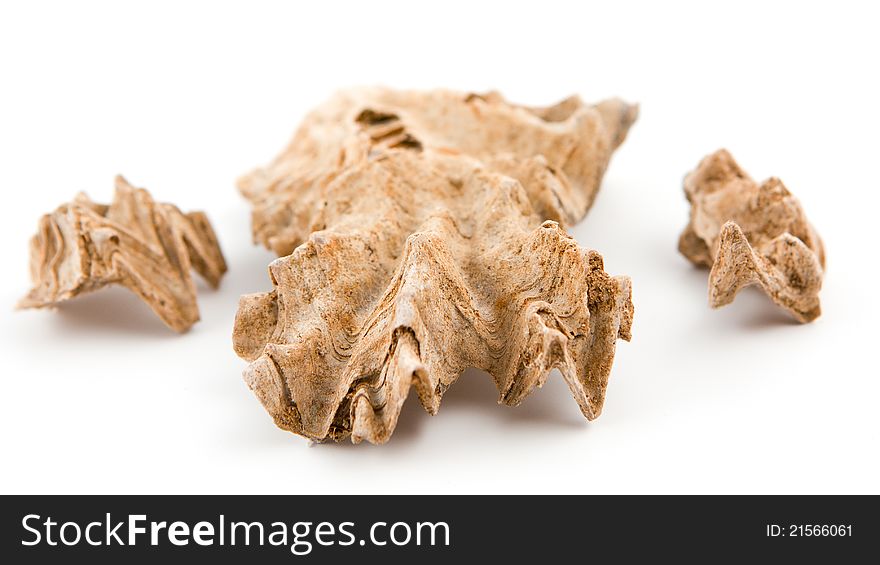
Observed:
{"x":424,"y":234}
{"x":751,"y":233}
{"x":146,"y":246}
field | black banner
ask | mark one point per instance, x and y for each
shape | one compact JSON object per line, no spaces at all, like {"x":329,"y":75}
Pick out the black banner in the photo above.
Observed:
{"x":316,"y":529}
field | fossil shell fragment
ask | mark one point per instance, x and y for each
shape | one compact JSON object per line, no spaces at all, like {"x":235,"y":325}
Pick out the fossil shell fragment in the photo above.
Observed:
{"x":423,"y":234}
{"x":146,"y":246}
{"x":751,"y":233}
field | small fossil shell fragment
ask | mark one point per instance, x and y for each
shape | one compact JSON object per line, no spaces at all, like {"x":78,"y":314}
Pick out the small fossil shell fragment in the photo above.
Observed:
{"x":423,"y":234}
{"x":146,"y":246}
{"x":751,"y":234}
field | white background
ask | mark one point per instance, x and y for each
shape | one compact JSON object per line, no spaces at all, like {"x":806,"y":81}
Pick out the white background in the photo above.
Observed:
{"x":184,"y":97}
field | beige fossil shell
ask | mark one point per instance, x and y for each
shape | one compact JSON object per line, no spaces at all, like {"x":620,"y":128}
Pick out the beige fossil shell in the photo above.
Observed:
{"x":751,"y":233}
{"x":423,"y":234}
{"x":146,"y":246}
